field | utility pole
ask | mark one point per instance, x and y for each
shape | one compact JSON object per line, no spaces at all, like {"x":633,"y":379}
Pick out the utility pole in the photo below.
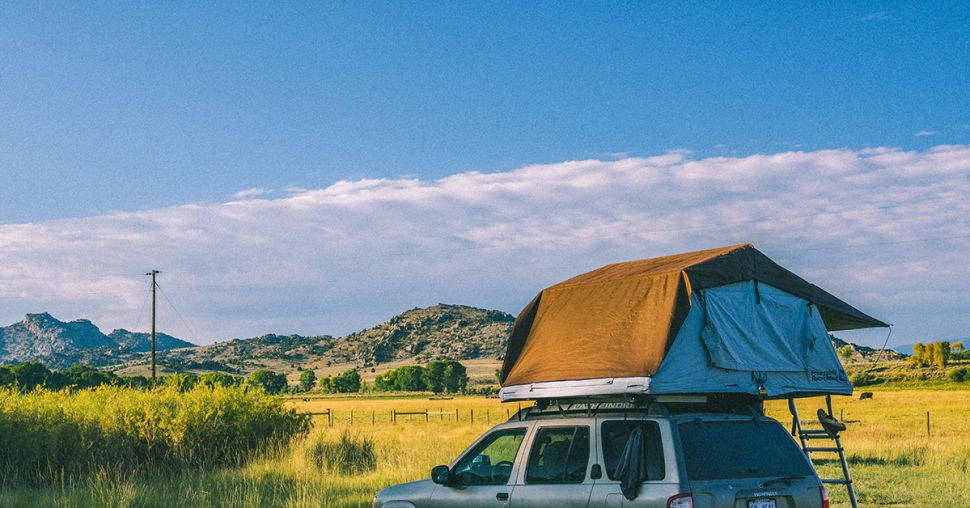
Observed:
{"x":154,"y":286}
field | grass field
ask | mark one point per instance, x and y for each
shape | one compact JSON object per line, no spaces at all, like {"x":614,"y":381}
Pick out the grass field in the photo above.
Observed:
{"x":893,"y":460}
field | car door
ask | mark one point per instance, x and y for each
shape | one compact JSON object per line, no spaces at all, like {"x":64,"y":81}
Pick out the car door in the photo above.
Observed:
{"x":482,"y":476}
{"x":556,"y":473}
{"x":661,"y":468}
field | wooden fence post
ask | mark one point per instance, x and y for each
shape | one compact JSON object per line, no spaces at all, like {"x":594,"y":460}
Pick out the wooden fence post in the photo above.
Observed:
{"x":373,"y":417}
{"x":472,"y":413}
{"x":351,"y":417}
{"x":927,"y":424}
{"x":427,"y":418}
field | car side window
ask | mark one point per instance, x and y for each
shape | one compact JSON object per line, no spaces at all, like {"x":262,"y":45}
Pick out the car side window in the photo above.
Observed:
{"x":490,"y":462}
{"x":559,"y":455}
{"x":615,"y":435}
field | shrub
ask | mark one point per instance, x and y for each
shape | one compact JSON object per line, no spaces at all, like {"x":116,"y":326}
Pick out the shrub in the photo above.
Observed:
{"x":46,"y":436}
{"x":349,"y":454}
{"x":862,"y":379}
{"x":960,"y":375}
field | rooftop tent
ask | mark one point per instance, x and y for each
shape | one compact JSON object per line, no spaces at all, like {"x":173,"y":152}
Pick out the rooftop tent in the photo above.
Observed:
{"x":726,"y":320}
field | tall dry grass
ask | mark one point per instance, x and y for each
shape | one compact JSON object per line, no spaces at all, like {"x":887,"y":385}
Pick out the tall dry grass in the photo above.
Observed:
{"x":116,"y":432}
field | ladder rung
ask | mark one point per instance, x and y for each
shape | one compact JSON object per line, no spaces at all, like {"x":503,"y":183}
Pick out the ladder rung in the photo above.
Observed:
{"x":837,"y":481}
{"x":814,"y":432}
{"x":823,"y":449}
{"x":817,"y":436}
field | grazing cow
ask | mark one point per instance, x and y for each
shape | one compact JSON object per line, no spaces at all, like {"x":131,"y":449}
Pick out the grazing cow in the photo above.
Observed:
{"x":865,"y":395}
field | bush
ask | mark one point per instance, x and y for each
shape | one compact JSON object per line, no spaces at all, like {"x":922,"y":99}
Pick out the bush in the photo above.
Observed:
{"x":960,"y":375}
{"x":349,"y":455}
{"x":862,"y":379}
{"x":47,"y":436}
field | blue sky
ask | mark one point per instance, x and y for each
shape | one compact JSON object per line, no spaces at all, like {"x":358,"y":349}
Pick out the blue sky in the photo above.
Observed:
{"x":120,"y":123}
{"x":110,"y":106}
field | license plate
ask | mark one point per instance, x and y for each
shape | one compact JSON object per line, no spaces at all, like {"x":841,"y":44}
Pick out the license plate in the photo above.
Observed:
{"x":761,"y":503}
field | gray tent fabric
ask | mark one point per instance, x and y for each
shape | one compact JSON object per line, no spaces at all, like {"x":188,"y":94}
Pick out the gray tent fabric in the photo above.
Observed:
{"x":748,"y":327}
{"x":632,"y":469}
{"x":740,"y":342}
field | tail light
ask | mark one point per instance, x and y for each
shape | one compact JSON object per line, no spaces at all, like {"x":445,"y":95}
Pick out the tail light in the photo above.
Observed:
{"x":684,"y":501}
{"x":825,"y":497}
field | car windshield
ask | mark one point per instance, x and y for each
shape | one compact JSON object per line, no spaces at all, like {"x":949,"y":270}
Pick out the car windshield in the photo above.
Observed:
{"x":733,"y":449}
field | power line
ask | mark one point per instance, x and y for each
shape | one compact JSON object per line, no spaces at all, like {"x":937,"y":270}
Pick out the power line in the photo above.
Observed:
{"x":195,"y":336}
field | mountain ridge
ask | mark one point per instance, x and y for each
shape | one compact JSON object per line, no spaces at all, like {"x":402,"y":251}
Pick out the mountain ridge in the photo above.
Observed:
{"x":42,"y":337}
{"x":417,"y":335}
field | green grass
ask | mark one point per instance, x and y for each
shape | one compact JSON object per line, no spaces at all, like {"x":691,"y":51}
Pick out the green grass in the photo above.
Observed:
{"x":893,"y":460}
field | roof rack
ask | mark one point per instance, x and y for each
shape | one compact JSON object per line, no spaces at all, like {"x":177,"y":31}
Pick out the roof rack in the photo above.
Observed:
{"x":657,"y":405}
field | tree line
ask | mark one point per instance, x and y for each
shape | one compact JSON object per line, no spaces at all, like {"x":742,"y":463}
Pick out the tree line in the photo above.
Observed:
{"x":437,"y":377}
{"x":443,"y":376}
{"x":936,"y":354}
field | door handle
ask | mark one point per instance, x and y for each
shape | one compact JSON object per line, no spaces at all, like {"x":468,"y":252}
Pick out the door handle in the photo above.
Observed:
{"x":502,"y":496}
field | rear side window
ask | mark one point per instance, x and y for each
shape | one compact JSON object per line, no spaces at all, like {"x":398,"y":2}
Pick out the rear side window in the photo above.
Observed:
{"x":616,"y":434}
{"x":727,"y":450}
{"x":559,"y":455}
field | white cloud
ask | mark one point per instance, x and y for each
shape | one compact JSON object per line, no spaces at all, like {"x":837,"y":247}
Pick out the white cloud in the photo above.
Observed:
{"x":885,"y":228}
{"x":925,"y":134}
{"x":255,"y":192}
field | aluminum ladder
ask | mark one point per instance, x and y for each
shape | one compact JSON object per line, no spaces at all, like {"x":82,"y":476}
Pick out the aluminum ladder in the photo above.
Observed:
{"x":806,"y":435}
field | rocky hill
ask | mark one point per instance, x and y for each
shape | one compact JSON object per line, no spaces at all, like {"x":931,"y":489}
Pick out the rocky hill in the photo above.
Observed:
{"x":42,"y":337}
{"x":866,"y":353}
{"x":454,"y":332}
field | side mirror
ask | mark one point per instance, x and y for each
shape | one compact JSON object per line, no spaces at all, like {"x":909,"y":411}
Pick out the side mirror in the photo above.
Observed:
{"x":441,"y":475}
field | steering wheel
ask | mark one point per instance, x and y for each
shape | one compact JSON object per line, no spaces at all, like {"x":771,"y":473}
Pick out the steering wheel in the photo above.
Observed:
{"x":501,"y":471}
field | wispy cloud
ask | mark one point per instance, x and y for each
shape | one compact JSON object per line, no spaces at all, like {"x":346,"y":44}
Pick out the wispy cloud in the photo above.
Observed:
{"x":885,"y":228}
{"x":255,"y":192}
{"x":925,"y":134}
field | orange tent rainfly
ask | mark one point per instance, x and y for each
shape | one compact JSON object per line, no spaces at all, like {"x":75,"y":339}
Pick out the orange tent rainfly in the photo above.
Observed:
{"x":719,"y":320}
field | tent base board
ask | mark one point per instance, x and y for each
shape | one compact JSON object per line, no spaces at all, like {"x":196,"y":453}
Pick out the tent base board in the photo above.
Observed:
{"x":580,"y":388}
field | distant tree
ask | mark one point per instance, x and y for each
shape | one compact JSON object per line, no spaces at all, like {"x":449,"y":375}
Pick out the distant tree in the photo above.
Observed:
{"x":7,"y":377}
{"x":30,"y":375}
{"x":456,"y":377}
{"x":941,"y":354}
{"x":326,"y":384}
{"x":409,"y":379}
{"x":845,"y":353}
{"x":433,"y":376}
{"x":956,"y":347}
{"x":917,"y":357}
{"x":498,"y":375}
{"x":183,"y":381}
{"x":348,"y":382}
{"x":308,"y":379}
{"x":381,"y":384}
{"x":272,"y":382}
{"x":139,"y":382}
{"x":213,"y":379}
{"x":86,"y":376}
